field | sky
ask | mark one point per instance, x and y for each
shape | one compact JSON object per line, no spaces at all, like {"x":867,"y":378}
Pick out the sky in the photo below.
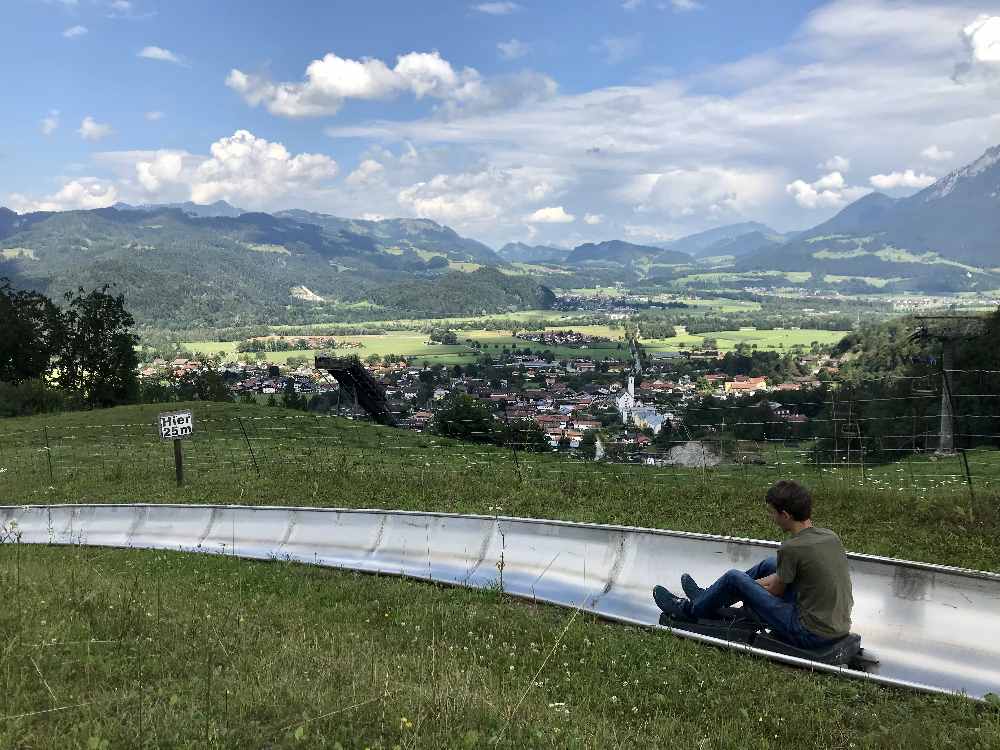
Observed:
{"x":545,"y":122}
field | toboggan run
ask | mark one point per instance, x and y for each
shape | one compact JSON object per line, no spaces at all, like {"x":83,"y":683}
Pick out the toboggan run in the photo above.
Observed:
{"x":932,"y":628}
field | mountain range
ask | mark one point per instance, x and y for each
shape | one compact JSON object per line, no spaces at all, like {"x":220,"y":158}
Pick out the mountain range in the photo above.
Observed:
{"x":189,"y":265}
{"x":946,"y":238}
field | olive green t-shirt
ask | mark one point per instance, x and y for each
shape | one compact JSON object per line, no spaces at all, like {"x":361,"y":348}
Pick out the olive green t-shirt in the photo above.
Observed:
{"x":814,"y":561}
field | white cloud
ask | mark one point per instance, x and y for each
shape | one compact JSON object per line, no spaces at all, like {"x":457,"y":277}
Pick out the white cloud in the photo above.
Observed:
{"x":91,"y":130}
{"x":592,"y":219}
{"x":616,"y":49}
{"x":714,"y":190}
{"x":648,"y":233}
{"x":122,"y":6}
{"x":153,"y":116}
{"x":50,"y":123}
{"x":74,"y":31}
{"x":478,"y":198}
{"x":832,"y":181}
{"x":550,"y":215}
{"x":250,"y":170}
{"x":243,"y":169}
{"x":907,"y":179}
{"x":159,"y":53}
{"x":936,"y":154}
{"x":513,"y":49}
{"x":451,"y":198}
{"x":889,"y":60}
{"x":496,"y":9}
{"x":829,"y":191}
{"x":686,"y":5}
{"x":367,"y":170}
{"x":332,"y":80}
{"x":983,"y":39}
{"x":836,"y":164}
{"x":83,"y":193}
{"x":164,"y":168}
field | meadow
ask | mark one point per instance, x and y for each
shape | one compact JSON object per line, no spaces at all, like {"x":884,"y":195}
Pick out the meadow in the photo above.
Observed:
{"x":141,"y":648}
{"x":114,"y":648}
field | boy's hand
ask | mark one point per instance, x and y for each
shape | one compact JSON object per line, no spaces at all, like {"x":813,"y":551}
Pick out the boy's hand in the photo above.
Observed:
{"x":772,"y":585}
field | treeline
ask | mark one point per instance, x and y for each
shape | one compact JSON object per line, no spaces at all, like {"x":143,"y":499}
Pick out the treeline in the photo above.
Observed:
{"x":885,"y":403}
{"x":78,"y":355}
{"x":462,"y":417}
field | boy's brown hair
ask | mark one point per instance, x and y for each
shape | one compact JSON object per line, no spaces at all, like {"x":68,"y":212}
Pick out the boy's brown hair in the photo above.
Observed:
{"x":792,"y":498}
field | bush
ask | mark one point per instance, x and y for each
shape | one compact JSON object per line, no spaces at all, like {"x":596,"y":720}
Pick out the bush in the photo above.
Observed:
{"x":30,"y":397}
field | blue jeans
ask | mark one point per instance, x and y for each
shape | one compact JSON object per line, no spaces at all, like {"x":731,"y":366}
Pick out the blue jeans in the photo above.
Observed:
{"x":781,"y":614}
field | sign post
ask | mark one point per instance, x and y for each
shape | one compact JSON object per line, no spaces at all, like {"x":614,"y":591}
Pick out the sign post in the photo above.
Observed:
{"x":176,"y":425}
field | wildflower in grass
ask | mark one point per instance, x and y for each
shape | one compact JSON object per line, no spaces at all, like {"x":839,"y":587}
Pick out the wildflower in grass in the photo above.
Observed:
{"x":405,"y":723}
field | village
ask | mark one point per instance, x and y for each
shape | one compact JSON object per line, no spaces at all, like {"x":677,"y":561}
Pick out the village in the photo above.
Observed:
{"x":632,"y":414}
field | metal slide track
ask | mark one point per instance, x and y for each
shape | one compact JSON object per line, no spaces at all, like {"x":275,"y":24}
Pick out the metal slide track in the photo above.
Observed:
{"x":933,"y":628}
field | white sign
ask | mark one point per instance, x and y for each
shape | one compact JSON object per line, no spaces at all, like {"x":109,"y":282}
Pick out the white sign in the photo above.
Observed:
{"x":176,"y":424}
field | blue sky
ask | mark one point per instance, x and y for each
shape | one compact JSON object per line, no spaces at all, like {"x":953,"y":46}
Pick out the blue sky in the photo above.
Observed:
{"x":544,"y":122}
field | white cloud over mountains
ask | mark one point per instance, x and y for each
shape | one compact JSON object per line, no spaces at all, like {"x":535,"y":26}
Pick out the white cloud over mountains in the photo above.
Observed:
{"x":906,"y":179}
{"x":242,"y":168}
{"x":551,"y":215}
{"x":714,"y":191}
{"x":829,"y":191}
{"x":332,"y":80}
{"x":83,"y":193}
{"x":471,"y":199}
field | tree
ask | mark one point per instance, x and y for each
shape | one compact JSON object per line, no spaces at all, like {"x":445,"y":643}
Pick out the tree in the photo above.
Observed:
{"x":207,"y":385}
{"x":32,"y":333}
{"x":97,"y":360}
{"x":588,"y":445}
{"x":665,"y":438}
{"x":525,"y":435}
{"x":464,"y":418}
{"x":289,"y":398}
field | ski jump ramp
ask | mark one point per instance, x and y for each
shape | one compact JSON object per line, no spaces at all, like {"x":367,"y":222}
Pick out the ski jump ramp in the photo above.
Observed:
{"x":932,"y":628}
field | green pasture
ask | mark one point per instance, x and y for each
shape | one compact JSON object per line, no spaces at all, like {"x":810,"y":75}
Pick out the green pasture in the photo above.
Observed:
{"x":776,"y":340}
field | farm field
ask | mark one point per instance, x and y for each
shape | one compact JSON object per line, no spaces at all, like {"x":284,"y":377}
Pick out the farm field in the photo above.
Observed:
{"x":139,"y":648}
{"x":556,"y":317}
{"x":777,"y":339}
{"x":414,"y":343}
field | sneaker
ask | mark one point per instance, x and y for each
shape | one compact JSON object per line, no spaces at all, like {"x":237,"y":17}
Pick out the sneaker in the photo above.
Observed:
{"x":691,"y":589}
{"x":674,"y":606}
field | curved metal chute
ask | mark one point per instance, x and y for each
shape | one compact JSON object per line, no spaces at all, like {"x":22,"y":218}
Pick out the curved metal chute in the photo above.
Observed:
{"x":932,"y":628}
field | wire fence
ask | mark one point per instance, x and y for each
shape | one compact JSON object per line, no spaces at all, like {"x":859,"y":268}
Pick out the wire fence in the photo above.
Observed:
{"x":941,"y":435}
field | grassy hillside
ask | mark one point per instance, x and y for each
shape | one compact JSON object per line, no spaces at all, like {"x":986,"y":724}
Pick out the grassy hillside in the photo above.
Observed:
{"x":134,"y":648}
{"x":113,"y":455}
